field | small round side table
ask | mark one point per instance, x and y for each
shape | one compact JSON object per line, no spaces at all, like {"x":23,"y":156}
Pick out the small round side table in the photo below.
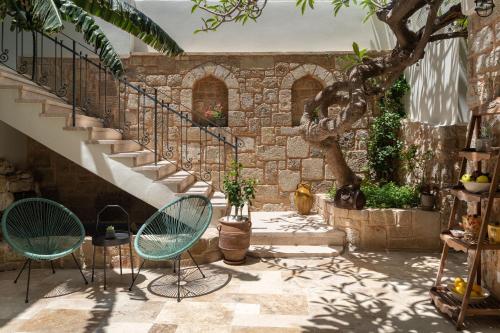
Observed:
{"x":120,"y":238}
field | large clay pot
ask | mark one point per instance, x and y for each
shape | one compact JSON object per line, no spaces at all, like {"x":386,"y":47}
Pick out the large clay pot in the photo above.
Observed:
{"x":303,"y":199}
{"x":234,"y":239}
{"x":427,"y":201}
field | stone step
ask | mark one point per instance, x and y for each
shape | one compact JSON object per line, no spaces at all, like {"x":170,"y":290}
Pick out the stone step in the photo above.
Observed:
{"x":157,"y":171}
{"x":198,"y":188}
{"x":83,"y":121}
{"x":290,"y":228}
{"x":135,"y":158}
{"x":103,"y":134}
{"x":118,"y":146}
{"x":284,"y":251}
{"x":12,"y":76}
{"x":219,"y":206}
{"x":37,"y":92}
{"x":179,"y":181}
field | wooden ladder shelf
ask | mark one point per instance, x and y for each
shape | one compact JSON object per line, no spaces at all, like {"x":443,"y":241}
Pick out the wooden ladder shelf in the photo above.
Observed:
{"x":441,"y":297}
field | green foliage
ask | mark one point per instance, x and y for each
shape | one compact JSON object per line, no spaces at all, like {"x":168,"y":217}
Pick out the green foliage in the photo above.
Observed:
{"x":390,"y":195}
{"x":93,"y":35}
{"x":131,"y":20}
{"x":47,"y":16}
{"x":238,"y":191}
{"x":359,"y":56}
{"x":384,"y":145}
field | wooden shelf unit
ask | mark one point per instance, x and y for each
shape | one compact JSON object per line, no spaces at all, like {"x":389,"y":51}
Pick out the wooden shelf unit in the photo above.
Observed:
{"x":440,"y":296}
{"x":477,"y":156}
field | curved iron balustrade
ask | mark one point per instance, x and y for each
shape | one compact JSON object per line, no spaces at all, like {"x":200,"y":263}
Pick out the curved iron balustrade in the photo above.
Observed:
{"x":72,"y":71}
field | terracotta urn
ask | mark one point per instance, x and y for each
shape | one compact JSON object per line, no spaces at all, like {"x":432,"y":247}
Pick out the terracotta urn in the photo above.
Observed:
{"x":234,"y":239}
{"x":303,"y":199}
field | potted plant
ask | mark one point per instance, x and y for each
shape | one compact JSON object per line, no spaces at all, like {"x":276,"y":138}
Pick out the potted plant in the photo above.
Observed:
{"x":483,"y":143}
{"x":215,"y":114}
{"x":427,"y":191}
{"x":235,"y":230}
{"x":110,"y":232}
{"x":416,"y":164}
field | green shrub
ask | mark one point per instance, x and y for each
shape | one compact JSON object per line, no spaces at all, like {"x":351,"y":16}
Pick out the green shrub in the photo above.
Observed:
{"x":384,"y":145}
{"x":388,"y":195}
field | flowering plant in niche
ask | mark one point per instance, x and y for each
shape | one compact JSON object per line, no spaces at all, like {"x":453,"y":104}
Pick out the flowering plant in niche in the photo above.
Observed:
{"x":214,"y":112}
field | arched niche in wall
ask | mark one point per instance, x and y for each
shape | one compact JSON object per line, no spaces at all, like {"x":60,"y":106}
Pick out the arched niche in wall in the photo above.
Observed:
{"x":210,"y":102}
{"x":303,"y":89}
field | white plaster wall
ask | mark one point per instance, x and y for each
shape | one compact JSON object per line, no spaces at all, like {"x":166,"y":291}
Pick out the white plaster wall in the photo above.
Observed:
{"x":281,"y":28}
{"x":13,"y":145}
{"x":439,"y":85}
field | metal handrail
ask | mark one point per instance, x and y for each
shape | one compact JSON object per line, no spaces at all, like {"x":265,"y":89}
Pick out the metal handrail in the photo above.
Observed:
{"x":80,"y":64}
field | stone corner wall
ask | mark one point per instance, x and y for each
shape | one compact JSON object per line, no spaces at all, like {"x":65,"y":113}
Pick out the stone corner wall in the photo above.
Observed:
{"x":483,"y":86}
{"x":384,"y":229}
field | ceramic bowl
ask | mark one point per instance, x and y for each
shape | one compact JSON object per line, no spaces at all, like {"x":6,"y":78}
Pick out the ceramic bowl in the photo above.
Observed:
{"x":475,"y":187}
{"x":472,"y":300}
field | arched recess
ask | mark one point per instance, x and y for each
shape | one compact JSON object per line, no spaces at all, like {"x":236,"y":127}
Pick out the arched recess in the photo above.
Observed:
{"x":210,"y":102}
{"x":320,"y":74}
{"x":303,"y":89}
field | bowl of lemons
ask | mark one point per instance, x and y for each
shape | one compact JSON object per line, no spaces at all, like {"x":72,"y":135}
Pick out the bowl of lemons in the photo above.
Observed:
{"x":459,"y":286}
{"x":476,"y":183}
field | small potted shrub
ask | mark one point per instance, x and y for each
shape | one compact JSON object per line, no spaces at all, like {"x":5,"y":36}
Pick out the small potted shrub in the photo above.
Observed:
{"x":110,"y":232}
{"x":235,"y":230}
{"x":417,"y":164}
{"x":484,"y":142}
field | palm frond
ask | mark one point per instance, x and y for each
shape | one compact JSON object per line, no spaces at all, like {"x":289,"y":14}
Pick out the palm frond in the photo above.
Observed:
{"x":133,"y":21}
{"x":45,"y":16}
{"x":93,"y":35}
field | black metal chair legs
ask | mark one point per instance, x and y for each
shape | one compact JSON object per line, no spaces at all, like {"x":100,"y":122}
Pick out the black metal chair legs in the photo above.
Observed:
{"x":28,"y":263}
{"x":176,"y":269}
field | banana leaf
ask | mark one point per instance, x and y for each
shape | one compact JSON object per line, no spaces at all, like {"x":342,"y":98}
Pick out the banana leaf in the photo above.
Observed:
{"x":131,"y":20}
{"x":93,"y":35}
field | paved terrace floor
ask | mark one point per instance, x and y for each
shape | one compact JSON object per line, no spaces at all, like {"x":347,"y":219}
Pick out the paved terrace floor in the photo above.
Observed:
{"x":357,"y":292}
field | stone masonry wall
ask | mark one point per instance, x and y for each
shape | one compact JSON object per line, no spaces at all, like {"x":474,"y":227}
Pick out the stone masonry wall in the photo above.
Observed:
{"x":484,"y":86}
{"x":261,"y":92}
{"x":444,"y":169}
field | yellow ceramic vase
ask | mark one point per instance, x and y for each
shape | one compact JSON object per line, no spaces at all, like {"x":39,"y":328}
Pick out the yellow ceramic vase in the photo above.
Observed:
{"x":303,"y":199}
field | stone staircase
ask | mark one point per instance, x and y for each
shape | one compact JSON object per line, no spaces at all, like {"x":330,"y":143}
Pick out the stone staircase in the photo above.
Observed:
{"x":154,"y":183}
{"x":290,"y":235}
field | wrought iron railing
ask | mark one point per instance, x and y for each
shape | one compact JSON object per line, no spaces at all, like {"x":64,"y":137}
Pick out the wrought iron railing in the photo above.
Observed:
{"x":73,"y":72}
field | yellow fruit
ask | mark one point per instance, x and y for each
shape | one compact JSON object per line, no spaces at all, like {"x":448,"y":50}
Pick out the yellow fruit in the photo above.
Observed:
{"x":477,"y":288}
{"x":458,"y":280}
{"x":482,"y":179}
{"x":466,"y":178}
{"x":460,"y":289}
{"x":475,"y":294}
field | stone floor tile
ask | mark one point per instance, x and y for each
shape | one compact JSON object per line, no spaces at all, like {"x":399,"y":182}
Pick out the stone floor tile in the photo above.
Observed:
{"x":162,"y":328}
{"x":201,"y":313}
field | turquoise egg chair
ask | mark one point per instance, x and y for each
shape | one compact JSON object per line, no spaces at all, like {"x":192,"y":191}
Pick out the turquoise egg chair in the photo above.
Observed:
{"x":42,"y":230}
{"x":173,"y":230}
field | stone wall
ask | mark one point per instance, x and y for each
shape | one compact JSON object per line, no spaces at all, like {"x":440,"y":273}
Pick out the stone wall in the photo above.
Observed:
{"x":13,"y":183}
{"x":484,"y":86}
{"x":444,"y":168}
{"x":384,"y":229}
{"x":265,"y":93}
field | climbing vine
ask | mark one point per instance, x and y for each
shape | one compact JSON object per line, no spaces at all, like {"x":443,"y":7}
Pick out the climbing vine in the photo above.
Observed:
{"x":384,"y":144}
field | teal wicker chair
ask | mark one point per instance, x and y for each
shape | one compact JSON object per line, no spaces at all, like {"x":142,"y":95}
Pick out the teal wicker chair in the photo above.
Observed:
{"x":173,"y":230}
{"x":42,"y":230}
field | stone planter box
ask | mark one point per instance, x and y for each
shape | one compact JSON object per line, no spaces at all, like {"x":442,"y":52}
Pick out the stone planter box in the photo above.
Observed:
{"x":384,"y":229}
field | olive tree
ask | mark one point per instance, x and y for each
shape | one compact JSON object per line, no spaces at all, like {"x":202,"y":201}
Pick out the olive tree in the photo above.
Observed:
{"x":369,"y":76}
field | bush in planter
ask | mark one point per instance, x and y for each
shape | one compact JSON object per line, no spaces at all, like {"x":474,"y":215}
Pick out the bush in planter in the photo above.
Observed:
{"x":237,"y":190}
{"x":388,"y":195}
